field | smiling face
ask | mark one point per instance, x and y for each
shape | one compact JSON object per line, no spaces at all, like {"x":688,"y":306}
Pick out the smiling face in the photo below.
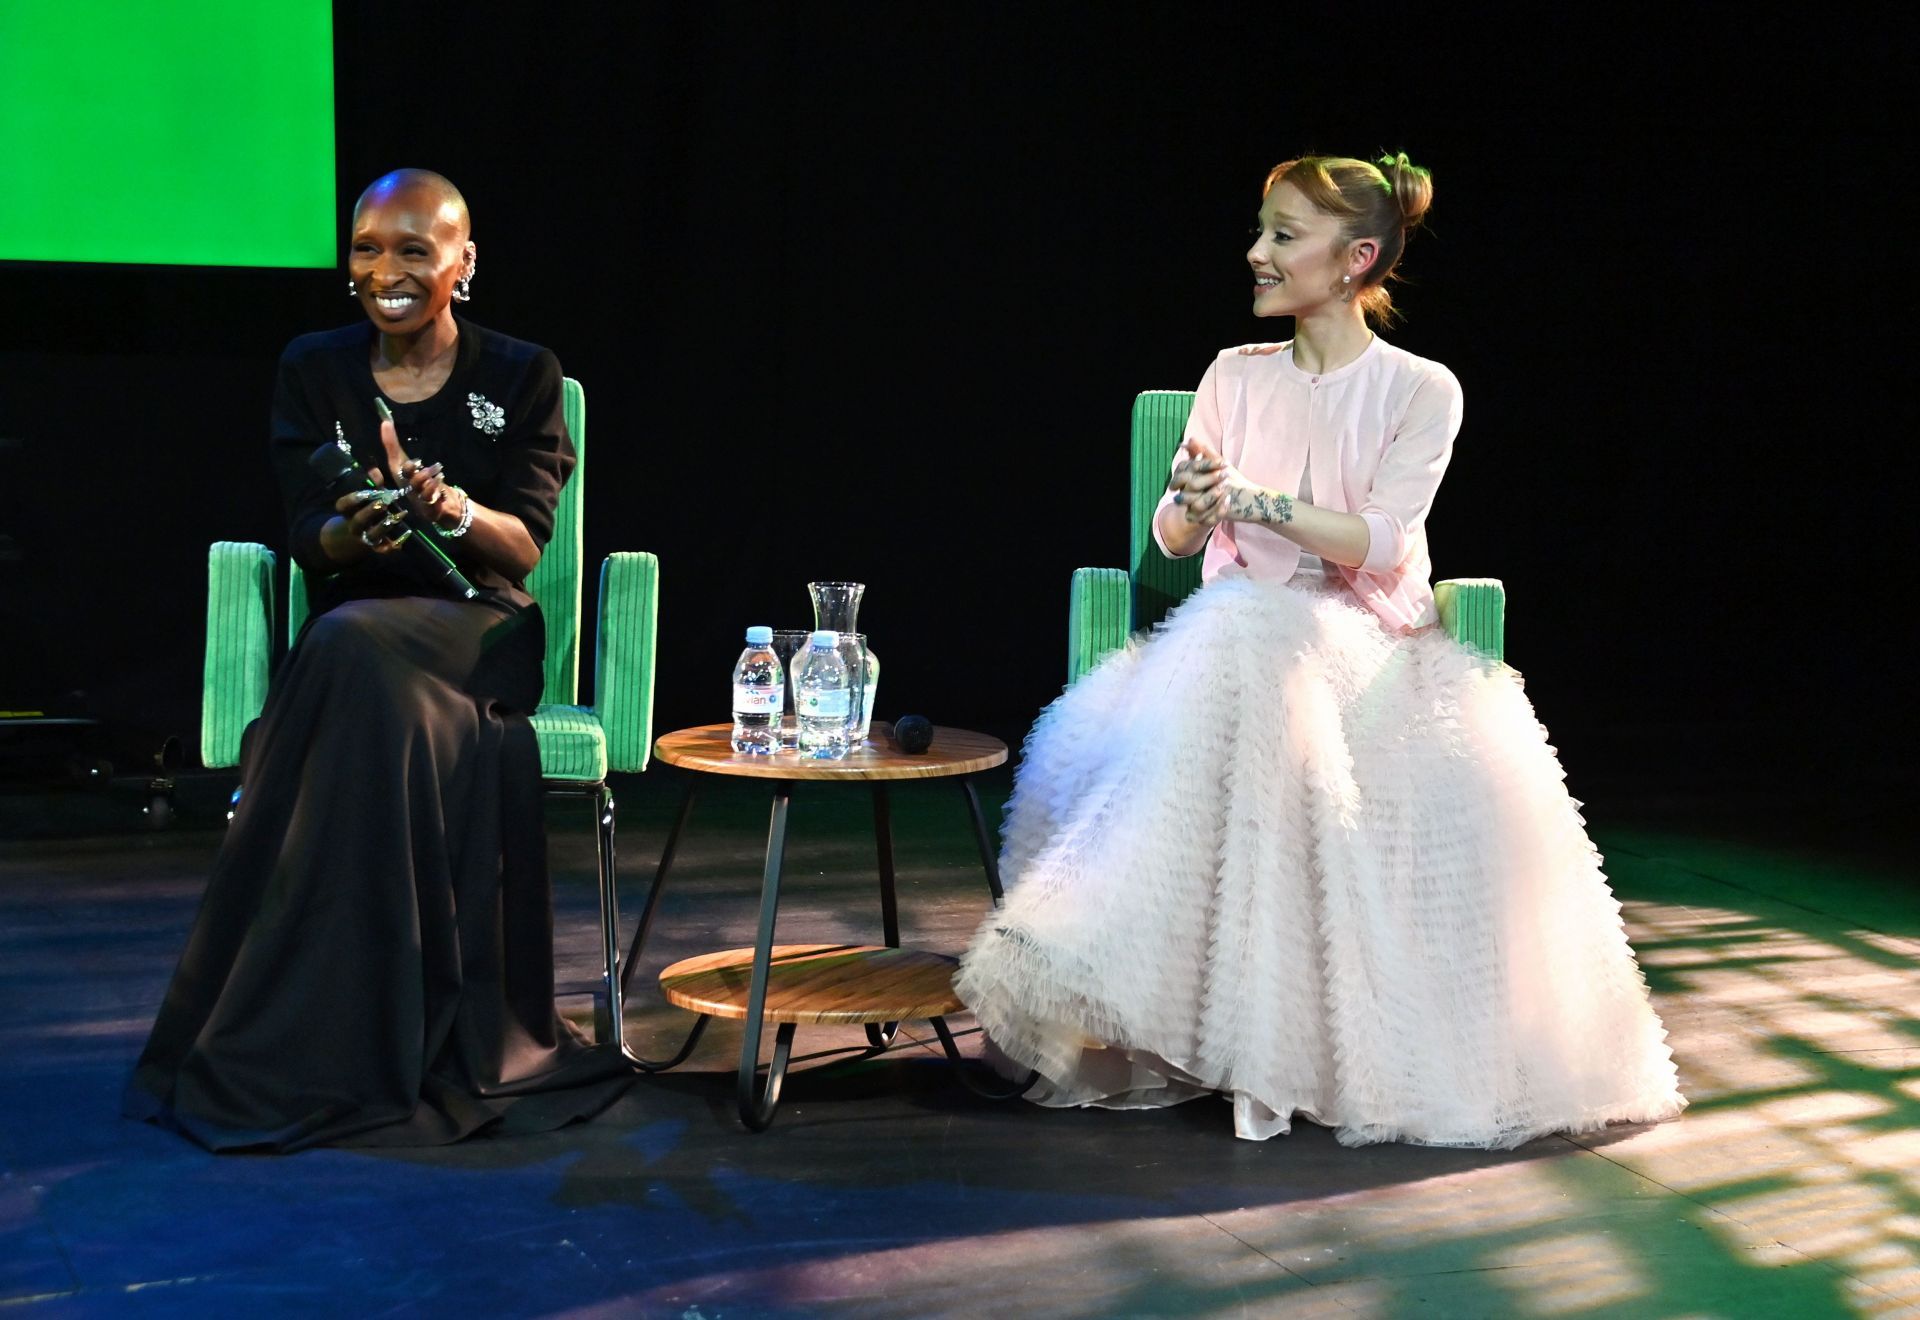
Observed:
{"x":409,"y":248}
{"x":1299,"y":255}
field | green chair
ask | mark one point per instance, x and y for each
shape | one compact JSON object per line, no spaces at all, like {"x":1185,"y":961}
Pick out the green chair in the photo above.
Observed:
{"x":1110,"y":604}
{"x":578,"y":744}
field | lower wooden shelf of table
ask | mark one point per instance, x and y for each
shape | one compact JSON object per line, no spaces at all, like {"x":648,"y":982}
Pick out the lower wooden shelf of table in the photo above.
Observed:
{"x":819,"y":983}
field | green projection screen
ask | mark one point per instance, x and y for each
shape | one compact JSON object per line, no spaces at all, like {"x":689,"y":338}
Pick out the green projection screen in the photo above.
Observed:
{"x":167,"y":132}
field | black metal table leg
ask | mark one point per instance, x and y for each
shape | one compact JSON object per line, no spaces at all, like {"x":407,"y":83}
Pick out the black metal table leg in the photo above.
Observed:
{"x":880,"y":1034}
{"x":756,"y":1110}
{"x":618,"y":984}
{"x":989,"y":857}
{"x":659,"y":884}
{"x":883,"y":840}
{"x":1007,"y":1091}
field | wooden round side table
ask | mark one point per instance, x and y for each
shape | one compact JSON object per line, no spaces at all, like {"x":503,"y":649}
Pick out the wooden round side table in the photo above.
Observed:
{"x":878,"y":985}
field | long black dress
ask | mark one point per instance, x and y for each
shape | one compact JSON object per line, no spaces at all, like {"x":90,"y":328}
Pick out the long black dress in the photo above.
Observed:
{"x":372,"y":963}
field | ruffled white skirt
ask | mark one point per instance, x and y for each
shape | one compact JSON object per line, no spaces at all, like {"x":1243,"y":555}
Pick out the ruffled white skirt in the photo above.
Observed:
{"x":1279,"y":853}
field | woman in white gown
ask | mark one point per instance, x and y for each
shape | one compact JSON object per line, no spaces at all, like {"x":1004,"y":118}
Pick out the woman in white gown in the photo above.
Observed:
{"x":1299,"y":847}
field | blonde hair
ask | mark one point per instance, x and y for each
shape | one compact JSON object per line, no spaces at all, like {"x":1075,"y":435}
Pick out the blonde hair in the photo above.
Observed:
{"x":1384,"y":201}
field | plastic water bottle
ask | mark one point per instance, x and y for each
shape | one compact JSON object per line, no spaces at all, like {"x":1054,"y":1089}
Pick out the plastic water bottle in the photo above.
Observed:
{"x":759,"y":690}
{"x":821,"y":698}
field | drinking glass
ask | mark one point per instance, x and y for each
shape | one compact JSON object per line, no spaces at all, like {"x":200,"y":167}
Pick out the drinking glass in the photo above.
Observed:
{"x":787,"y":643}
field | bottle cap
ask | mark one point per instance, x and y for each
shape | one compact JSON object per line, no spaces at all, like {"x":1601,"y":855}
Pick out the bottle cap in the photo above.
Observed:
{"x":824,"y":640}
{"x":757,"y":636}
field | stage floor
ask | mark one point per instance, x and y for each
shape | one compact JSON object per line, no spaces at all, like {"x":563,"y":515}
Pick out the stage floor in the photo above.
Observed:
{"x":1782,"y":941}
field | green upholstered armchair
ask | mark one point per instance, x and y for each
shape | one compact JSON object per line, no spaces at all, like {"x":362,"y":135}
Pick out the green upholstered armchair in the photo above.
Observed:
{"x":578,"y":744}
{"x":1109,"y":604}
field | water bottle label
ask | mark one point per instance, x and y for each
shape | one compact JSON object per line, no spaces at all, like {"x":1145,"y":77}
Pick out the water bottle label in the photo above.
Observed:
{"x":751,"y":700}
{"x":826,"y":705}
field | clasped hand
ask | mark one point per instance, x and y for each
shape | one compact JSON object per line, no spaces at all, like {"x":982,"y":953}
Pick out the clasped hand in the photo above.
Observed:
{"x":1210,"y":490}
{"x":371,"y":515}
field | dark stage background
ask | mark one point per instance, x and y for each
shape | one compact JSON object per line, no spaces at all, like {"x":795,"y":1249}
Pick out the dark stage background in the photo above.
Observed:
{"x":865,"y":292}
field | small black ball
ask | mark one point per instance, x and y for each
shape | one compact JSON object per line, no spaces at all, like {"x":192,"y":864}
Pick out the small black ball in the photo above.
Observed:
{"x":913,"y":733}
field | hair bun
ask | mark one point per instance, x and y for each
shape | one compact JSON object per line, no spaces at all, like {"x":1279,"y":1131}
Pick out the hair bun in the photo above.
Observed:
{"x":1412,"y":186}
{"x":1380,"y":199}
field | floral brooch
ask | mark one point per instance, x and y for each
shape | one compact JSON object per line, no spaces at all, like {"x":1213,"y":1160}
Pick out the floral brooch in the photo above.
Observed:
{"x":488,"y":418}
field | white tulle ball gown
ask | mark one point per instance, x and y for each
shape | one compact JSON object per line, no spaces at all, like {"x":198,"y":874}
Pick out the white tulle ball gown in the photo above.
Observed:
{"x":1279,"y":852}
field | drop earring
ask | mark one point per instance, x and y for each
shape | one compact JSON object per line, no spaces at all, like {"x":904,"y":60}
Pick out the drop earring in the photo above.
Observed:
{"x":353,"y":290}
{"x":463,"y":287}
{"x":1346,"y":288}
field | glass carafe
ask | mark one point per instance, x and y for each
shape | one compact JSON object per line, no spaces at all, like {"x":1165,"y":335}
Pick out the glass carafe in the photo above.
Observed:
{"x":836,"y":606}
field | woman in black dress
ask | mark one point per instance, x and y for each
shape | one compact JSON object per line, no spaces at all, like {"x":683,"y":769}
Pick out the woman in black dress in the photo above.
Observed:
{"x":372,"y":963}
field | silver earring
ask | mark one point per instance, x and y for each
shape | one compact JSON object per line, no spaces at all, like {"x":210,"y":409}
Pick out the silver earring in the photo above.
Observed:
{"x":353,"y":290}
{"x":462,"y":290}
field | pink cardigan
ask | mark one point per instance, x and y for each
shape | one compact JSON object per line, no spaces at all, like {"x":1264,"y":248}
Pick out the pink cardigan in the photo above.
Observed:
{"x":1378,"y":433}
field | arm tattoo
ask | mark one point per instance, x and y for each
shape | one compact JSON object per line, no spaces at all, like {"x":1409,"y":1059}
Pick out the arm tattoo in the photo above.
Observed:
{"x":1263,"y":506}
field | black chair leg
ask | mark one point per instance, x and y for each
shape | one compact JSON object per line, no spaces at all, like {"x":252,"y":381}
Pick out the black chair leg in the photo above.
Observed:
{"x":678,"y":1057}
{"x":609,"y":1015}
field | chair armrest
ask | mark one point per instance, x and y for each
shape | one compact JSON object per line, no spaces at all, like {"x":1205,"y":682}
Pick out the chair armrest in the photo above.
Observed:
{"x":1099,"y":618}
{"x":1474,"y":613}
{"x":239,"y":655}
{"x":623,"y":656}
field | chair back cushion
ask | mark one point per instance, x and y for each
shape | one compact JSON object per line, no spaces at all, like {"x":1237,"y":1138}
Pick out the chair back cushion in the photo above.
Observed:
{"x":555,"y":581}
{"x":1159,"y":583}
{"x":239,"y":646}
{"x":296,"y":599}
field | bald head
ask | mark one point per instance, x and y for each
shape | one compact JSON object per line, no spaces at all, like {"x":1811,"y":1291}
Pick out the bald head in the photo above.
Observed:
{"x":422,"y":189}
{"x":409,"y":254}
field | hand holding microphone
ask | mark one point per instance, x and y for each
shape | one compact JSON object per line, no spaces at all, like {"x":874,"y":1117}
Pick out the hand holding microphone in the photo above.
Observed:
{"x":376,"y":514}
{"x":367,"y":504}
{"x":371,"y":517}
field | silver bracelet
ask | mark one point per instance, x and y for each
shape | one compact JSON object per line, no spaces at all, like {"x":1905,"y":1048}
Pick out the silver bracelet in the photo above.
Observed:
{"x":466,"y":517}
